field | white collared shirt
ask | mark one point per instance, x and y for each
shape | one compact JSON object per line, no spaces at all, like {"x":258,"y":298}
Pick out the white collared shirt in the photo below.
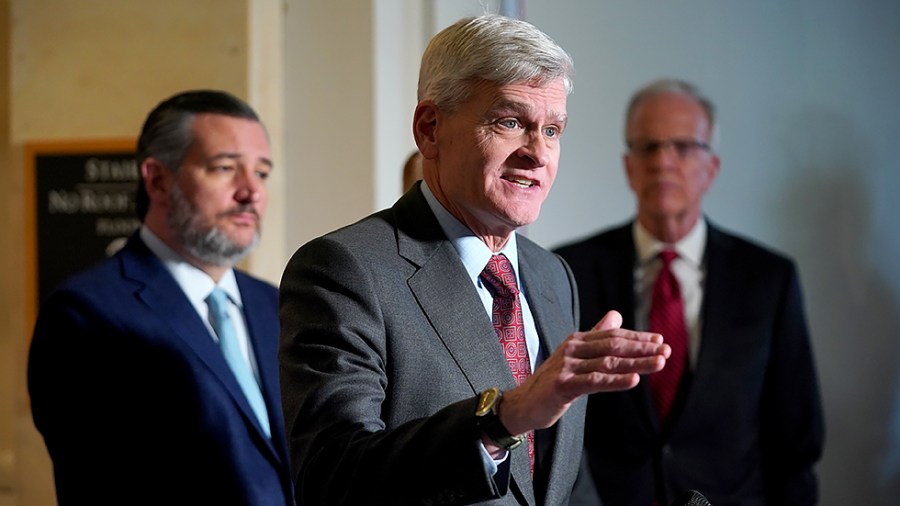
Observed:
{"x":688,"y":269}
{"x":197,"y":285}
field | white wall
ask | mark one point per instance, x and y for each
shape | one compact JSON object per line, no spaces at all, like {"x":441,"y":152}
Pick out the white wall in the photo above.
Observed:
{"x":807,"y":96}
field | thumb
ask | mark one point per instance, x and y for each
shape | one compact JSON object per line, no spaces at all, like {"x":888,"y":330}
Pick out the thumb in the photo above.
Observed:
{"x":611,"y":320}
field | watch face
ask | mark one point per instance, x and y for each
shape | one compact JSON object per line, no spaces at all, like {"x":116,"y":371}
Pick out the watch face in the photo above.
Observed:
{"x":486,"y":400}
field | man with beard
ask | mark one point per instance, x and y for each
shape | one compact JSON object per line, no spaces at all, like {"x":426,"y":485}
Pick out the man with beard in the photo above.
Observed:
{"x":153,"y":375}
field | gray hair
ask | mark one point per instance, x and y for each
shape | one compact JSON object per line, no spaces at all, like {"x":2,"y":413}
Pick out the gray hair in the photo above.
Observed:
{"x":489,"y":48}
{"x":676,"y":86}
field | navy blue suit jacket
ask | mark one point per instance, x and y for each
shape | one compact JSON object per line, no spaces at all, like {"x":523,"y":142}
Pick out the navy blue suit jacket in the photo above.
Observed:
{"x":748,"y":427}
{"x":135,"y":400}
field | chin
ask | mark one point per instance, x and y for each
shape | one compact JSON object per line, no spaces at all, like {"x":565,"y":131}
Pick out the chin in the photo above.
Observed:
{"x":521,"y":220}
{"x":243,"y":237}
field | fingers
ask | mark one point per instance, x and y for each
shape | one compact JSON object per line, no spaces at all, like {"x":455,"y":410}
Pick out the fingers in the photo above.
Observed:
{"x":611,"y":320}
{"x":608,"y":373}
{"x":611,"y":359}
{"x":605,"y":359}
{"x":616,"y":355}
{"x":619,"y":338}
{"x":614,"y":365}
{"x":598,"y":382}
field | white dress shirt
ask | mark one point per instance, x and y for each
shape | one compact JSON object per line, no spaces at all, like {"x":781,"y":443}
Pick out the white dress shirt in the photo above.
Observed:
{"x":197,"y":285}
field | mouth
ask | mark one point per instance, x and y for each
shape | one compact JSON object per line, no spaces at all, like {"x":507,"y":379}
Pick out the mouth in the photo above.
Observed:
{"x":245,"y":216}
{"x":522,"y":182}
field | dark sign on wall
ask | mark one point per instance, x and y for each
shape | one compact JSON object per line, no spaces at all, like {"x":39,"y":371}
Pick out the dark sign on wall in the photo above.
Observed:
{"x":83,"y":206}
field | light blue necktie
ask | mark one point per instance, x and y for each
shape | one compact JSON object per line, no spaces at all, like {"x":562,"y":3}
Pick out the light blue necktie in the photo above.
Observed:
{"x":222,"y":324}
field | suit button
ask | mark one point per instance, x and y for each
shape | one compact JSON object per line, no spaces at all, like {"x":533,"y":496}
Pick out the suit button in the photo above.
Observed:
{"x":667,"y":452}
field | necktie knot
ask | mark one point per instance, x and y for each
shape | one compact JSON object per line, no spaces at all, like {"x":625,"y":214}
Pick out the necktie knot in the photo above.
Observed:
{"x":218,"y":304}
{"x":667,"y":256}
{"x":499,"y":276}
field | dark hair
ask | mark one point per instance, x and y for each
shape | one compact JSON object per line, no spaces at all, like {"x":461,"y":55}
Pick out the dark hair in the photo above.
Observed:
{"x":166,"y":134}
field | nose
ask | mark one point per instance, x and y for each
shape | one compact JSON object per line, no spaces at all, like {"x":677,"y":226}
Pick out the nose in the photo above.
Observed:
{"x":665,"y":155}
{"x":535,"y":150}
{"x":250,"y":187}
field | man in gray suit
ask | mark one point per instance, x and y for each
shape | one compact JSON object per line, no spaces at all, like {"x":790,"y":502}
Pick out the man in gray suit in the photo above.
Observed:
{"x":396,"y":389}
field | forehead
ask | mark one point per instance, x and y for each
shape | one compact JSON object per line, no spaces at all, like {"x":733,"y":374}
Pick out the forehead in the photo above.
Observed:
{"x":214,"y":132}
{"x":667,"y":115}
{"x":526,"y":97}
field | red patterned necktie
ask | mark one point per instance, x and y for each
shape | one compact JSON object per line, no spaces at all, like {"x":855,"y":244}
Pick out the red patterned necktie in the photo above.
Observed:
{"x":667,"y":318}
{"x":506,"y":315}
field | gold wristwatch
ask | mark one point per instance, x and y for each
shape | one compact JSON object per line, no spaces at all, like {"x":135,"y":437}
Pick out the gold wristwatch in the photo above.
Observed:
{"x":487,"y":420}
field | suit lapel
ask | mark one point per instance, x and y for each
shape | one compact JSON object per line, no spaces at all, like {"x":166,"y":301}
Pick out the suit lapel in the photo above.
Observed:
{"x":262,"y":331}
{"x":622,"y":296}
{"x":552,"y":329}
{"x":160,"y":292}
{"x":719,"y":295}
{"x":460,"y":322}
{"x":542,"y":301}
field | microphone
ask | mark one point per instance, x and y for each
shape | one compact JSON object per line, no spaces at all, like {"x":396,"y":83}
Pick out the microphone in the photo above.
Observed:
{"x":691,"y":498}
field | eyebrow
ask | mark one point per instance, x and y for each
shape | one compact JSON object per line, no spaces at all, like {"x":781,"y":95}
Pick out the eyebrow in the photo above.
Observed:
{"x":237,"y":156}
{"x":505,"y":104}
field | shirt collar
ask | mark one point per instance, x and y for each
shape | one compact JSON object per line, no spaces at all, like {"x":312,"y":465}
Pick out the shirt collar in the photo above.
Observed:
{"x":689,"y":248}
{"x":195,"y":283}
{"x":473,"y":252}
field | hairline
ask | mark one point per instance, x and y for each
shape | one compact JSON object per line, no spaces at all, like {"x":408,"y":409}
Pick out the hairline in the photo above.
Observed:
{"x":670,"y":86}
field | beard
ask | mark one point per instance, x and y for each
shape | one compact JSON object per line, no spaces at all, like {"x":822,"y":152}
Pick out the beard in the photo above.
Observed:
{"x":207,"y":243}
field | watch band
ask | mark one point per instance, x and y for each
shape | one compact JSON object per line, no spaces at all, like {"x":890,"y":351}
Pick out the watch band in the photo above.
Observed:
{"x":487,"y":420}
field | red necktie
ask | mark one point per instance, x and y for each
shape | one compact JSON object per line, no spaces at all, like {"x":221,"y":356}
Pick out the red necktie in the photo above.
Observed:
{"x":667,"y":318}
{"x":506,"y":315}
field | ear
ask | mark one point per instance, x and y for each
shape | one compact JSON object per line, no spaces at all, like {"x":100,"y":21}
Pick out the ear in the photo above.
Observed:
{"x":712,"y":170}
{"x":629,"y":170}
{"x":425,"y":126}
{"x":157,"y":180}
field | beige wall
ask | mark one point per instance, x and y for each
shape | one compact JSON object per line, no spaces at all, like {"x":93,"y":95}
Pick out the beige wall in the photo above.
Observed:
{"x":92,"y":69}
{"x":10,"y":181}
{"x":329,"y":66}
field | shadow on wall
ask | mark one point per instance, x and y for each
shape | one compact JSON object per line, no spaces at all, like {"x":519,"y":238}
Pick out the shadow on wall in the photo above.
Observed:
{"x":853,"y":313}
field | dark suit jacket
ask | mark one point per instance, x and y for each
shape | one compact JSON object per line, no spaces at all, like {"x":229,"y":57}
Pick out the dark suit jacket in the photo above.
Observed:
{"x":135,"y":400}
{"x":749,"y":427}
{"x":385,"y":346}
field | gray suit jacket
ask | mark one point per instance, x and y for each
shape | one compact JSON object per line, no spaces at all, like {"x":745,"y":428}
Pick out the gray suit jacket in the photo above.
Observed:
{"x":385,"y":346}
